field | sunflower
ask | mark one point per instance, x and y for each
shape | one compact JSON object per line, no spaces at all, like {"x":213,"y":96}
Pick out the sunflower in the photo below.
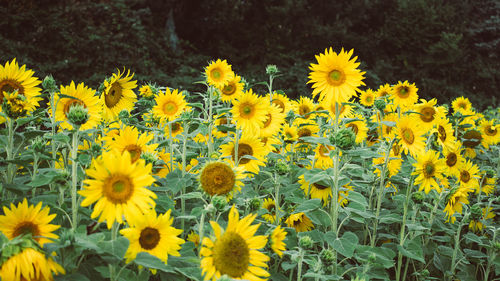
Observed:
{"x":344,"y":194}
{"x":82,"y":95}
{"x":300,"y":222}
{"x":29,"y":264}
{"x":118,"y":186}
{"x":283,"y":102}
{"x":336,"y":77}
{"x":477,"y":225}
{"x":17,"y":105}
{"x":445,"y":133}
{"x":270,"y":206}
{"x":322,"y":156}
{"x":454,"y":202}
{"x":14,"y":78}
{"x":118,"y":94}
{"x":454,"y":159}
{"x":486,"y":184}
{"x":221,"y":178}
{"x":277,"y":237}
{"x":388,"y":124}
{"x":25,"y":219}
{"x":164,"y":169}
{"x":247,"y":145}
{"x":304,"y":106}
{"x":394,"y":161}
{"x":218,"y":73}
{"x":469,"y":175}
{"x":221,"y":120}
{"x":345,"y":110}
{"x":269,"y":144}
{"x":235,"y":251}
{"x":153,"y":234}
{"x":232,"y":90}
{"x":250,"y":112}
{"x":462,"y":105}
{"x":410,"y":135}
{"x":358,"y":127}
{"x":404,"y":94}
{"x":146,"y":91}
{"x":429,"y":113}
{"x":428,"y":169}
{"x":289,"y":133}
{"x":176,"y":129}
{"x":367,"y":98}
{"x":306,"y":128}
{"x":384,"y":90}
{"x":129,"y":139}
{"x":194,"y":237}
{"x":169,"y":105}
{"x":490,"y":132}
{"x":317,"y":190}
{"x":273,"y":123}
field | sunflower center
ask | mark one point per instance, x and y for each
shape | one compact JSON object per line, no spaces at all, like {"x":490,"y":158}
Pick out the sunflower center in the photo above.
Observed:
{"x":304,"y":132}
{"x":268,"y":121}
{"x":134,"y":150}
{"x":176,"y":126}
{"x":490,"y":130}
{"x":320,"y":186}
{"x":288,"y":135}
{"x":118,"y":189}
{"x":354,"y":127}
{"x":472,"y":138}
{"x":451,"y":159}
{"x":304,"y":109}
{"x":464,"y":176}
{"x":407,"y":135}
{"x":26,"y":227}
{"x":217,"y":178}
{"x":429,"y":169}
{"x":231,"y":255}
{"x":170,"y":108}
{"x":280,"y":104}
{"x":271,"y":208}
{"x":71,"y":103}
{"x":427,"y":114}
{"x":442,"y":133}
{"x":462,"y":105}
{"x":403,"y":92}
{"x":243,"y":149}
{"x":149,"y":238}
{"x":324,"y":151}
{"x":114,"y":95}
{"x":368,"y":99}
{"x":229,"y":89}
{"x":396,"y":149}
{"x":216,"y":74}
{"x":336,"y":77}
{"x":246,"y":110}
{"x":10,"y":86}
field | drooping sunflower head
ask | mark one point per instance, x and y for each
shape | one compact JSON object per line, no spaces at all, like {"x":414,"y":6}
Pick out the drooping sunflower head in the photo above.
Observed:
{"x":250,"y":112}
{"x":300,"y":222}
{"x":218,"y":73}
{"x":270,"y":206}
{"x":277,"y":237}
{"x":118,"y":94}
{"x":335,"y":77}
{"x":232,"y":90}
{"x":367,"y":98}
{"x":404,"y":94}
{"x":221,"y":178}
{"x":29,"y":264}
{"x":317,"y":190}
{"x":169,"y":105}
{"x":28,"y":219}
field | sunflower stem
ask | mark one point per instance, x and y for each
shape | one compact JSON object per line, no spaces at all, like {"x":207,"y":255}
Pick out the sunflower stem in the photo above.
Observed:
{"x":432,"y":216}
{"x":74,"y":178}
{"x":53,"y":127}
{"x":112,"y":267}
{"x":299,"y":264}
{"x":334,"y":206}
{"x":200,"y":230}
{"x":170,"y":146}
{"x":210,"y":121}
{"x":277,"y":199}
{"x":11,"y":167}
{"x":183,"y":157}
{"x":491,"y":256}
{"x":403,"y":228}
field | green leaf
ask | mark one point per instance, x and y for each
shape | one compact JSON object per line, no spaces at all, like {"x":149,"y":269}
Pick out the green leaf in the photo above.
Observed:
{"x":413,"y":250}
{"x":308,"y":206}
{"x":149,"y":261}
{"x":117,"y":248}
{"x":191,"y":195}
{"x":344,"y":245}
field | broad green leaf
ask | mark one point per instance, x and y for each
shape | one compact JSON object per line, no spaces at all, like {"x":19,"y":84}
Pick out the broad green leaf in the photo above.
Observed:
{"x":308,"y":206}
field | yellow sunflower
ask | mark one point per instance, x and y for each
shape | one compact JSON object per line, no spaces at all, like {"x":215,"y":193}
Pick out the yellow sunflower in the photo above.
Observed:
{"x":388,"y":124}
{"x":14,"y":78}
{"x":277,"y":237}
{"x":322,"y":156}
{"x":490,"y":132}
{"x":218,"y":73}
{"x":176,"y":129}
{"x":454,"y":159}
{"x":455,"y":200}
{"x":283,"y":102}
{"x":194,"y":237}
{"x":367,"y":98}
{"x":429,"y":113}
{"x":477,"y":225}
{"x":336,"y":77}
{"x":410,"y":136}
{"x":250,"y":112}
{"x":404,"y":94}
{"x":394,"y":161}
{"x":247,"y":145}
{"x":345,"y":110}
{"x":232,"y":90}
{"x":118,"y":186}
{"x":270,"y":206}
{"x":269,"y":144}
{"x":358,"y":127}
{"x":487,"y":183}
{"x":129,"y":139}
{"x":462,"y":105}
{"x":84,"y":96}
{"x":118,"y":94}
{"x":221,"y":120}
{"x":169,"y":105}
{"x":153,"y":234}
{"x":317,"y":190}
{"x":29,"y":265}
{"x":235,"y":251}
{"x":25,"y":219}
{"x":221,"y":178}
{"x":289,"y":133}
{"x":306,"y":128}
{"x":384,"y":90}
{"x":146,"y":91}
{"x":344,"y":194}
{"x":273,"y":123}
{"x":300,"y":222}
{"x":429,"y":170}
{"x":445,"y":133}
{"x":469,"y":176}
{"x":304,"y":106}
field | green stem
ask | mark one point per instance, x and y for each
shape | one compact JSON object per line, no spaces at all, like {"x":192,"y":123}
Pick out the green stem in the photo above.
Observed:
{"x":491,"y":257}
{"x":299,"y":265}
{"x":112,"y":269}
{"x":200,"y":229}
{"x":210,"y":121}
{"x":74,"y":178}
{"x":11,"y":167}
{"x":403,"y":228}
{"x":183,"y":157}
{"x":455,"y":249}
{"x":277,"y":199}
{"x":334,"y":206}
{"x":171,"y":146}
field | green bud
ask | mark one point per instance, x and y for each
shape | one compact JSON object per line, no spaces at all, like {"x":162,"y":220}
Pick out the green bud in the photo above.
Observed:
{"x":380,"y":104}
{"x":95,"y":149}
{"x":490,"y":173}
{"x":38,"y":144}
{"x":372,"y":258}
{"x":271,"y":69}
{"x":496,"y":245}
{"x":476,"y":212}
{"x":255,"y":204}
{"x":78,"y":115}
{"x":149,"y":157}
{"x":418,"y":197}
{"x":344,"y":138}
{"x":215,"y":155}
{"x":306,"y":242}
{"x":210,"y":208}
{"x":225,"y":278}
{"x":327,"y":256}
{"x":49,"y":83}
{"x":358,"y":279}
{"x":219,"y":202}
{"x":187,"y":115}
{"x":124,"y":115}
{"x":282,"y":167}
{"x":425,"y":273}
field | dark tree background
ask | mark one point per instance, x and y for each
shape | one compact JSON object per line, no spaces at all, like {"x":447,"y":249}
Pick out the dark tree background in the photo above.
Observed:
{"x":448,"y":48}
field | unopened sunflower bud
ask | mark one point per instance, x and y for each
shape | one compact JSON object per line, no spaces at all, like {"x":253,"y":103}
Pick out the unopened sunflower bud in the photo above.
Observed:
{"x":344,"y":138}
{"x":38,"y":144}
{"x":95,"y":149}
{"x":372,"y":258}
{"x":380,"y":104}
{"x":149,"y":157}
{"x":282,"y":167}
{"x":476,"y":212}
{"x":327,"y":256}
{"x":425,"y":274}
{"x":49,"y":83}
{"x":210,"y":208}
{"x":215,"y":155}
{"x":306,"y":242}
{"x":187,"y":115}
{"x":225,"y":278}
{"x":219,"y":202}
{"x":255,"y":204}
{"x":78,"y":115}
{"x":496,"y":245}
{"x":271,"y":69}
{"x":124,"y":115}
{"x":358,"y":279}
{"x":418,"y":197}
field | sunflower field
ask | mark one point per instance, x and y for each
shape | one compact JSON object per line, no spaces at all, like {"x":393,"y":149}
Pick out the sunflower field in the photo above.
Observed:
{"x":146,"y":182}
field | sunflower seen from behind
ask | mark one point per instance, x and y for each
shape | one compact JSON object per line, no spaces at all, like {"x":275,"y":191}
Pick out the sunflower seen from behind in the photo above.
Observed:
{"x":28,"y":219}
{"x":118,"y":187}
{"x":169,"y":105}
{"x":153,"y":234}
{"x":118,"y":94}
{"x":429,"y":170}
{"x":235,"y":251}
{"x":336,"y":77}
